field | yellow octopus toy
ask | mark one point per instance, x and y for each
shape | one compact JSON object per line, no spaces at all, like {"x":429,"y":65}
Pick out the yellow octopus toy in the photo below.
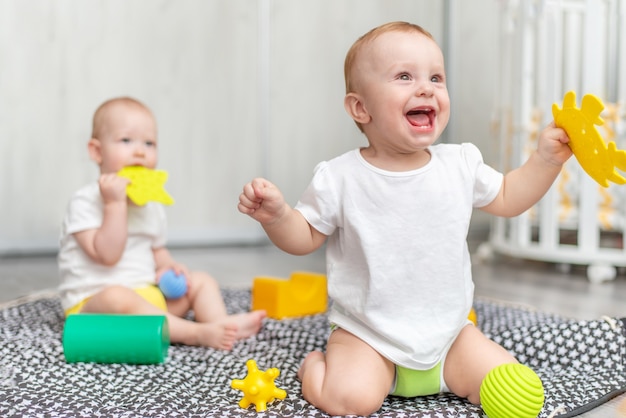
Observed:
{"x":598,"y":159}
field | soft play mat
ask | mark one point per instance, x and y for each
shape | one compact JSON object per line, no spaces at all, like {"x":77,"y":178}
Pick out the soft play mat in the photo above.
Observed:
{"x":581,"y":364}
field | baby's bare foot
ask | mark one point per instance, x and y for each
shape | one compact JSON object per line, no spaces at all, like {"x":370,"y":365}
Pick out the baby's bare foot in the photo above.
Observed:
{"x":312,"y":357}
{"x":248,"y":323}
{"x":218,"y":335}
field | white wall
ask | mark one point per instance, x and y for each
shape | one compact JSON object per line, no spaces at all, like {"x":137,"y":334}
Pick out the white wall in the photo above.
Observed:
{"x":193,"y":62}
{"x":240,"y":88}
{"x":309,"y":41}
{"x":473,"y":68}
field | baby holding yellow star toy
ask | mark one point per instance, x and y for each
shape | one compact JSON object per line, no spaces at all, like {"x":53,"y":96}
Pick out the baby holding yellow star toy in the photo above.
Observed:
{"x":112,"y":250}
{"x":599,"y":159}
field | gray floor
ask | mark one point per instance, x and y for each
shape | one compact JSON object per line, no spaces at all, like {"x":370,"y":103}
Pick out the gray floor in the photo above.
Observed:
{"x":536,"y":284}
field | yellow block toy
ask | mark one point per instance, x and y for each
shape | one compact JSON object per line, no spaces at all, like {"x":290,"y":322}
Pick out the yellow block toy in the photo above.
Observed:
{"x":258,"y":387}
{"x":146,"y":185}
{"x":598,"y":159}
{"x":304,"y":293}
{"x":472,"y":316}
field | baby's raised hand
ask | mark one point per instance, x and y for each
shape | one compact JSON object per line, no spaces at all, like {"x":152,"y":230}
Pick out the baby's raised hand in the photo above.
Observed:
{"x":552,"y":146}
{"x":262,"y":201}
{"x":113,"y":187}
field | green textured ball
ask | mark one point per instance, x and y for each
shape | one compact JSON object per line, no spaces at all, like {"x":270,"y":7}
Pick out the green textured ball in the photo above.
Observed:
{"x":512,"y":391}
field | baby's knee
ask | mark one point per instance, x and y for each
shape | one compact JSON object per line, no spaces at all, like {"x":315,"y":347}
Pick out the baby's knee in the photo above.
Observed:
{"x":202,"y":279}
{"x":351,"y":399}
{"x":118,"y":299}
{"x":366,"y":403}
{"x":358,"y":403}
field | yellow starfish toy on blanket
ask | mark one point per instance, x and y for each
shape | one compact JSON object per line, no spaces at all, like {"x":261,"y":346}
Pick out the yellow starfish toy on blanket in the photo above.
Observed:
{"x":258,"y":387}
{"x":146,"y":185}
{"x":594,"y":156}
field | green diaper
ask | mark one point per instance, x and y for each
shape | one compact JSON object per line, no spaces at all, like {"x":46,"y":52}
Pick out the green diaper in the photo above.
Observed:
{"x":410,"y":383}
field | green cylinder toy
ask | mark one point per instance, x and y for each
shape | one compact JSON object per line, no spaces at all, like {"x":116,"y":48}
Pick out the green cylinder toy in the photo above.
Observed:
{"x":112,"y":338}
{"x":512,"y":391}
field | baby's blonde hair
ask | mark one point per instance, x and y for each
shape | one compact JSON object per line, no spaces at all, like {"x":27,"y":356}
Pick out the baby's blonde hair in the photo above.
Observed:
{"x":358,"y":45}
{"x":101,"y":113}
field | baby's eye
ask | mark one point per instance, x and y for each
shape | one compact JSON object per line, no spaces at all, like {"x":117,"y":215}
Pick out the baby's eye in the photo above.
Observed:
{"x":436,"y":79}
{"x":150,"y":144}
{"x":126,"y":140}
{"x":404,"y":77}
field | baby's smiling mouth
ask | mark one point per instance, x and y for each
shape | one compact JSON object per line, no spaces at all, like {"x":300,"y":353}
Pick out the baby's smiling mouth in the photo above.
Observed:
{"x":422,"y":117}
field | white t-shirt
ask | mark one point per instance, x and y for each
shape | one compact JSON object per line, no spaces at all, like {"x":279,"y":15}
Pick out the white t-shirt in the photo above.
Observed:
{"x":399,"y":273}
{"x":80,"y":276}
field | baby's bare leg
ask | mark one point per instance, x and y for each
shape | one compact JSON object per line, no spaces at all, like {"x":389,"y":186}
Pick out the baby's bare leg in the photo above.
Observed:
{"x":469,"y":360}
{"x":123,"y":300}
{"x":352,"y":378}
{"x":205,"y":299}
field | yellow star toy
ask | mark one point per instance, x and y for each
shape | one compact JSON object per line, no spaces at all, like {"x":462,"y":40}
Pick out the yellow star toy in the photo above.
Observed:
{"x":258,"y":387}
{"x":146,"y":185}
{"x":594,"y":156}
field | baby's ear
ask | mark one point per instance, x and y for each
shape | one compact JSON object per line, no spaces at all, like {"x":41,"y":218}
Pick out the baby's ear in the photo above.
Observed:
{"x":95,"y":153}
{"x":355,"y":108}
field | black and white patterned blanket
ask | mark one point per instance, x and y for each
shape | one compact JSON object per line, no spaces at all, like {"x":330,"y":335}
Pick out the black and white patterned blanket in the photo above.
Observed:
{"x":581,"y":364}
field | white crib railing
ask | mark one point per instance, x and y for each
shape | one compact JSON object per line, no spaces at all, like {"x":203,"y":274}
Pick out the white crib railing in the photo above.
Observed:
{"x":548,"y":48}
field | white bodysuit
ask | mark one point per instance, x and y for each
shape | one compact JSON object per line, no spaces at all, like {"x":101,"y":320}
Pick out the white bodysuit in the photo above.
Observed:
{"x":80,"y":276}
{"x":399,"y":273}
